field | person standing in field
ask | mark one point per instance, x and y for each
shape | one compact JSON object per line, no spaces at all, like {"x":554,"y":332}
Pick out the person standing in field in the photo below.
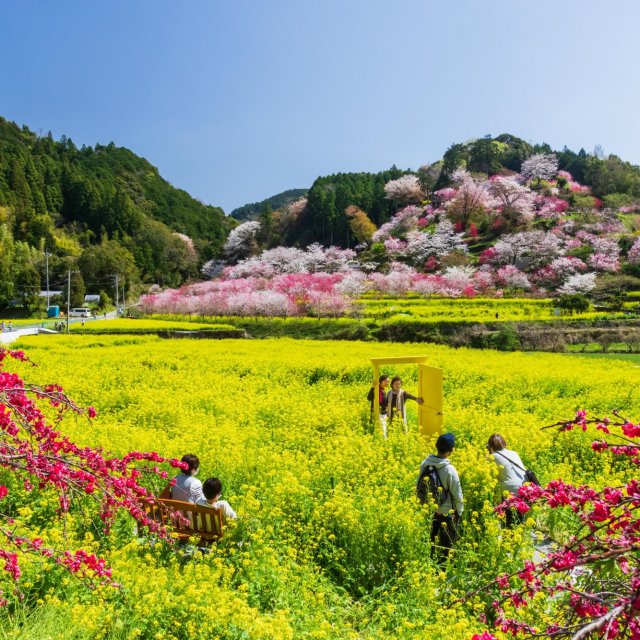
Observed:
{"x":511,"y":474}
{"x":396,"y":401}
{"x":383,"y":385}
{"x":187,"y":488}
{"x":444,"y":485}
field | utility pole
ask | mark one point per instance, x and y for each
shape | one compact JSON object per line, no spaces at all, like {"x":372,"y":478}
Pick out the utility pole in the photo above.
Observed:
{"x":68,"y":297}
{"x":117,"y":294}
{"x":124,"y":301}
{"x":46,"y":254}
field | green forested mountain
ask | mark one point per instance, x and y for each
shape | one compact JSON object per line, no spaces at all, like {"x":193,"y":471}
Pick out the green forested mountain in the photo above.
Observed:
{"x":100,"y":210}
{"x":324,"y":219}
{"x":253,"y":210}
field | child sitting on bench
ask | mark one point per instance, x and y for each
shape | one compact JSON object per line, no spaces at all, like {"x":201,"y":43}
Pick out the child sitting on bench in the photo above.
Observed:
{"x":212,"y":489}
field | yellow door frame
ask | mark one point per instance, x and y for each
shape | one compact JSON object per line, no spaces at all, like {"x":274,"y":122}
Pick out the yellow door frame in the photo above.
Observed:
{"x":429,"y":389}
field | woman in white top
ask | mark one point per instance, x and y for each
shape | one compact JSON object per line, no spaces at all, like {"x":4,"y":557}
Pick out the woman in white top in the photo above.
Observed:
{"x":510,"y":474}
{"x":187,"y":487}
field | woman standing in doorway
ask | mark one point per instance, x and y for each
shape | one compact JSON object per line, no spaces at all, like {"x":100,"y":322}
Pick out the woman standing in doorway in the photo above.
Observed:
{"x":396,"y":401}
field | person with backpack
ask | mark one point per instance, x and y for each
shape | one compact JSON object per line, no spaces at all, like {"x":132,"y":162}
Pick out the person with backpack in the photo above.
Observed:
{"x":383,"y":385}
{"x":438,"y":480}
{"x":511,"y":474}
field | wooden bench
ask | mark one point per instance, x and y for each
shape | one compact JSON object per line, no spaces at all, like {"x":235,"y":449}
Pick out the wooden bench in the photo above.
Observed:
{"x":187,"y":520}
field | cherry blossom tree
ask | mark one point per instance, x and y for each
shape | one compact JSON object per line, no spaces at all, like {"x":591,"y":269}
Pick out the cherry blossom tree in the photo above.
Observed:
{"x":511,"y":277}
{"x":540,"y":166}
{"x":405,"y":189}
{"x":397,"y":282}
{"x":394,"y":245}
{"x":213,"y":268}
{"x":579,"y":283}
{"x":512,"y":197}
{"x":353,"y":285}
{"x":538,"y":247}
{"x":438,"y":243}
{"x":403,"y":222}
{"x":557,"y":271}
{"x":634,"y":252}
{"x":241,"y":242}
{"x":606,"y":254}
{"x":472,"y":196}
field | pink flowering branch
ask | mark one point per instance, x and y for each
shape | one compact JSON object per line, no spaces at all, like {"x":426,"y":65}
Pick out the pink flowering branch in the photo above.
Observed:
{"x":594,"y":576}
{"x":32,"y":448}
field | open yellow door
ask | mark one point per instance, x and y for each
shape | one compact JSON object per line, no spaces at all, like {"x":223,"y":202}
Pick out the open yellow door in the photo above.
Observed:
{"x":430,"y":388}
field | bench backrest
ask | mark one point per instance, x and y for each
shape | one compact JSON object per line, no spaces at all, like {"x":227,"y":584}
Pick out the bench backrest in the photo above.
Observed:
{"x":187,"y":519}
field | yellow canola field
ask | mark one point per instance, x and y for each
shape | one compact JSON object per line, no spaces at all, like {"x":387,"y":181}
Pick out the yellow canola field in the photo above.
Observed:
{"x":472,"y":310}
{"x":331,"y":542}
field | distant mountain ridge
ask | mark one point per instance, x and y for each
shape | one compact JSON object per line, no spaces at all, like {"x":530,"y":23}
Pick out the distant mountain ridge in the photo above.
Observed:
{"x":253,"y":210}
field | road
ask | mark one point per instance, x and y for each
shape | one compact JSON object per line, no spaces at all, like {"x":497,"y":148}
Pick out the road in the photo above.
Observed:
{"x":46,"y":326}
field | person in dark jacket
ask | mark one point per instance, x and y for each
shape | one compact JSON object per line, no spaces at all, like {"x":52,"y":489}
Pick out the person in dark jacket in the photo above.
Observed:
{"x":383,"y":385}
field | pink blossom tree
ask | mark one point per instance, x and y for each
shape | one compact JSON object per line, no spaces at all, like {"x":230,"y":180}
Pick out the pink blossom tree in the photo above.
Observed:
{"x":511,"y":277}
{"x":472,"y":196}
{"x":512,"y":198}
{"x":403,"y":222}
{"x":634,"y":252}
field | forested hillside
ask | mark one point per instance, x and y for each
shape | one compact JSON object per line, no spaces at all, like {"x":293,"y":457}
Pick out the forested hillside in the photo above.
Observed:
{"x":323,"y":215}
{"x":103,"y":211}
{"x":253,"y":210}
{"x":99,"y":211}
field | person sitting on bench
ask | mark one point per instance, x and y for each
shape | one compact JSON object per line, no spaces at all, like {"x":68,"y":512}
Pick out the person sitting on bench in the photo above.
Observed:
{"x":187,"y":487}
{"x":212,"y":490}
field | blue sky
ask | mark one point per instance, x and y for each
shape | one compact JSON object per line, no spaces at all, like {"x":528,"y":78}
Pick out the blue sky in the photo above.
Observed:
{"x":236,"y":101}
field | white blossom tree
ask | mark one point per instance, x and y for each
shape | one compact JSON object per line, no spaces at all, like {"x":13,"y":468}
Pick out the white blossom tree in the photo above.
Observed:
{"x":405,"y":189}
{"x":438,"y":243}
{"x":213,"y":268}
{"x":579,"y":283}
{"x":540,"y":166}
{"x":539,"y":247}
{"x":241,"y":242}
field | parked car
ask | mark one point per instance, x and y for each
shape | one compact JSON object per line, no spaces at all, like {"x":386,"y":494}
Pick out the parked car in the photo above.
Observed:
{"x":80,"y":312}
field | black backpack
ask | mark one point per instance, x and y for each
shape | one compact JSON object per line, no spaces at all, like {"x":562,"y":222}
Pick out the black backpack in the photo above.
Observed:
{"x":429,"y":484}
